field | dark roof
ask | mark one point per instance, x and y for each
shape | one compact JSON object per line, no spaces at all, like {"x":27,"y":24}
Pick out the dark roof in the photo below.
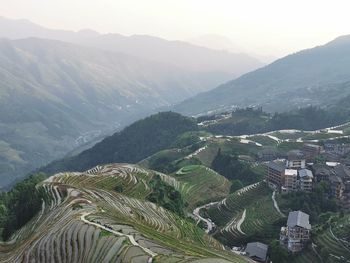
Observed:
{"x":321,"y":170}
{"x":276,"y":166}
{"x":257,"y":250}
{"x":335,"y":179}
{"x":295,"y":155}
{"x":312,"y":145}
{"x":342,"y":171}
{"x":298,"y":218}
{"x":305,"y":173}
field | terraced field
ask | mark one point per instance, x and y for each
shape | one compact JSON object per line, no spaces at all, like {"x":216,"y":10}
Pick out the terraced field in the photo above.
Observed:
{"x":246,"y":212}
{"x":84,"y":220}
{"x":200,"y":184}
{"x":334,"y":246}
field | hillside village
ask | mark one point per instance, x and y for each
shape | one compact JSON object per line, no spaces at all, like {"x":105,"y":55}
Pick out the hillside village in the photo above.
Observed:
{"x":301,"y":172}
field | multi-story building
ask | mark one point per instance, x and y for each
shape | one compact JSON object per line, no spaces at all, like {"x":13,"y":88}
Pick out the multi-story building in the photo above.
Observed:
{"x":290,"y":181}
{"x":296,"y":160}
{"x":321,"y":172}
{"x":305,"y":180}
{"x":297,"y":232}
{"x":275,"y":174}
{"x":311,"y":151}
{"x":337,"y":186}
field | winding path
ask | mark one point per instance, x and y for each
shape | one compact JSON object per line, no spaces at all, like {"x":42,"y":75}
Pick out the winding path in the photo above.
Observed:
{"x":130,"y":237}
{"x":240,"y":222}
{"x":275,"y":204}
{"x":210,"y":224}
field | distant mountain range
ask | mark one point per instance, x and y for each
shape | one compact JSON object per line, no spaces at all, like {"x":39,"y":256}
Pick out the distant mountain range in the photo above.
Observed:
{"x":317,"y":76}
{"x":60,"y":89}
{"x":55,"y":96}
{"x":179,"y":53}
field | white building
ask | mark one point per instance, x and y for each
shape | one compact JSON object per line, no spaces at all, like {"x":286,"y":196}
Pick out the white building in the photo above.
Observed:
{"x":305,"y":180}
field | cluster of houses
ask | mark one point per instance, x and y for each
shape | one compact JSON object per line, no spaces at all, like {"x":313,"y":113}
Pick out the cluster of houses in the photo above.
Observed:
{"x":291,"y":175}
{"x":299,"y":172}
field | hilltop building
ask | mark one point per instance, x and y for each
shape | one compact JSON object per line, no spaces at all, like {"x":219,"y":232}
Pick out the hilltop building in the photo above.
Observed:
{"x":296,"y":234}
{"x":257,"y":251}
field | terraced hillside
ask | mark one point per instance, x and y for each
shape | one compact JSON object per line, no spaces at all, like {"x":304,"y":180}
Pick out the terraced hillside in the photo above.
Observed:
{"x":200,"y":184}
{"x":247,"y":212}
{"x":84,"y":219}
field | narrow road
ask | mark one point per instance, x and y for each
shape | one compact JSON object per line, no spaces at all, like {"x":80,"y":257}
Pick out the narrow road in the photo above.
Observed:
{"x":275,"y":204}
{"x":130,"y":237}
{"x":210,"y":224}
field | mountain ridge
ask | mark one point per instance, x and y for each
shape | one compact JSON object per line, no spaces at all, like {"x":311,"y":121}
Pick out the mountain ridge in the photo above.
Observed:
{"x":297,"y":79}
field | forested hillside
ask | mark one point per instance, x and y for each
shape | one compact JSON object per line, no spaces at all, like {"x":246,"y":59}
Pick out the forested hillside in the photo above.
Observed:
{"x":132,"y":144}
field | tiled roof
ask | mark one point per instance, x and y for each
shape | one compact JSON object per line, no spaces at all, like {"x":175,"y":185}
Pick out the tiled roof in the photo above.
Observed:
{"x":298,"y":218}
{"x":257,"y":249}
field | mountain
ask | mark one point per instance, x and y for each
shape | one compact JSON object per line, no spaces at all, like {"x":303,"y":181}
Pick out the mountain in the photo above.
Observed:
{"x":317,"y":76}
{"x":134,"y":143}
{"x":55,"y":96}
{"x":217,"y":42}
{"x":178,"y":53}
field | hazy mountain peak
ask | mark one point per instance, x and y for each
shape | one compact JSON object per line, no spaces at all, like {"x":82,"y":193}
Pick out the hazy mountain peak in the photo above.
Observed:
{"x":342,"y":40}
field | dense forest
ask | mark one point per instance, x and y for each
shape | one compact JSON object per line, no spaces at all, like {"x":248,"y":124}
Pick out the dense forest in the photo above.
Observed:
{"x":239,"y":173}
{"x":136,"y":142}
{"x":20,"y":204}
{"x":166,"y":196}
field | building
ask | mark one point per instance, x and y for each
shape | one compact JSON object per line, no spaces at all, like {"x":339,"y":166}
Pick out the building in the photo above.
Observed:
{"x":297,"y":232}
{"x":310,"y":151}
{"x":268,"y":154}
{"x":345,"y":203}
{"x":337,"y":186}
{"x":321,"y":172}
{"x":257,"y":251}
{"x":296,"y":160}
{"x":337,"y":148}
{"x":275,"y":174}
{"x":290,"y":181}
{"x":305,"y":180}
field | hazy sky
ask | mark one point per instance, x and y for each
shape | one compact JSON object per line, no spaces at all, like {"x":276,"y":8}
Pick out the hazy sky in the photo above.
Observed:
{"x":266,"y":27}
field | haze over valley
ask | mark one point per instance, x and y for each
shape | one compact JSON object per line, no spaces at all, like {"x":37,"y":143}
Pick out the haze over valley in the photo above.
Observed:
{"x":174,"y":131}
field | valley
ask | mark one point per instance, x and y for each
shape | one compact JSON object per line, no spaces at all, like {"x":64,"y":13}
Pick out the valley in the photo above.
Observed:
{"x":202,"y":198}
{"x":142,"y":147}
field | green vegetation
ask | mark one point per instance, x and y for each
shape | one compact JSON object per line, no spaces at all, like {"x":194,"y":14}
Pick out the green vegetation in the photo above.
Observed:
{"x":134,"y":143}
{"x":233,"y":169}
{"x":165,"y":196}
{"x":20,"y":205}
{"x":199,"y":185}
{"x":262,"y":222}
{"x":313,"y":203}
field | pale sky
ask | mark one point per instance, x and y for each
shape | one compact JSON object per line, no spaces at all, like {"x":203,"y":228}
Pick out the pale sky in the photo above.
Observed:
{"x":266,"y":27}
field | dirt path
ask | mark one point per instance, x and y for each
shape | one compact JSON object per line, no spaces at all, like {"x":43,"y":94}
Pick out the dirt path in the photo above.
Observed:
{"x":275,"y":204}
{"x":240,"y":222}
{"x":130,"y":237}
